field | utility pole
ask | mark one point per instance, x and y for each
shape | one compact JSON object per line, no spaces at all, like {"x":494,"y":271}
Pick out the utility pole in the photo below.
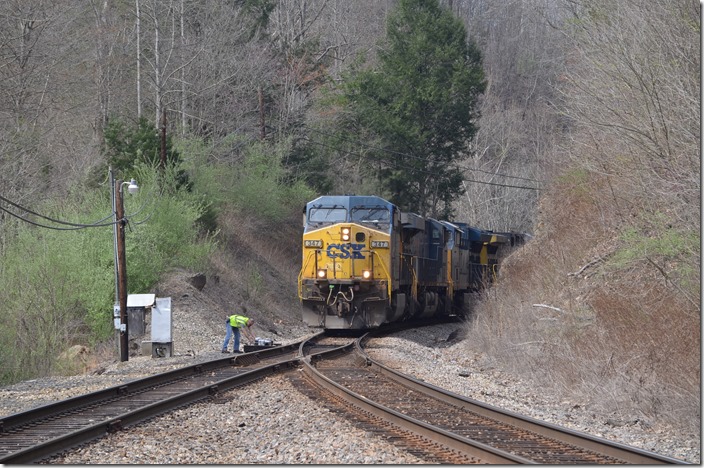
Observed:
{"x":163,"y":140}
{"x":262,"y":125}
{"x":121,"y":270}
{"x":114,"y":229}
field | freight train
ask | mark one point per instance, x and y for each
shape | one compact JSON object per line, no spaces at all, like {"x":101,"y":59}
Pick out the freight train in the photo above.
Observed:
{"x":366,"y":263}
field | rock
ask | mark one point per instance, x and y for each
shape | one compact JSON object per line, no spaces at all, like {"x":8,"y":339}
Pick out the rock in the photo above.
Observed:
{"x":75,"y":352}
{"x":75,"y":358}
{"x":452,"y":336}
{"x":198,"y":281}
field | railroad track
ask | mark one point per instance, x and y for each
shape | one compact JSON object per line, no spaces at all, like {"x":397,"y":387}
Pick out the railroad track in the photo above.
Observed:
{"x":443,"y":427}
{"x":435,"y":425}
{"x":33,"y":435}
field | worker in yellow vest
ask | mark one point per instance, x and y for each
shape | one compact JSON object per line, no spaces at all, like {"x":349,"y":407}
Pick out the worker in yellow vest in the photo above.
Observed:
{"x":234,"y":324}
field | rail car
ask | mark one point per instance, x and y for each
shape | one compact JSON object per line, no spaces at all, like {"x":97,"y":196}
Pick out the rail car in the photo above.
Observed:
{"x":366,"y":263}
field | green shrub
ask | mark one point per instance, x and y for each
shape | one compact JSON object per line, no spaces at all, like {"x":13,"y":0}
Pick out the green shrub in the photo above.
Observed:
{"x":256,"y":183}
{"x":262,"y":185}
{"x":667,"y":243}
{"x":58,"y":287}
{"x":674,"y":252}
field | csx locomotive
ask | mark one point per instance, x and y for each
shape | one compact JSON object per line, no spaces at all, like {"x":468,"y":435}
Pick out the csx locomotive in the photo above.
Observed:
{"x":366,"y":263}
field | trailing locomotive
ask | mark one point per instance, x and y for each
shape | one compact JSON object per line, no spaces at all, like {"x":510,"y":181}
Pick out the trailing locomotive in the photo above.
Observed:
{"x":366,"y":263}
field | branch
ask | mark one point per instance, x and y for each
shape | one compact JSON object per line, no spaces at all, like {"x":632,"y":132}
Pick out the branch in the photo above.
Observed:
{"x":588,"y":265}
{"x":526,"y":343}
{"x":667,"y":279}
{"x":549,"y":307}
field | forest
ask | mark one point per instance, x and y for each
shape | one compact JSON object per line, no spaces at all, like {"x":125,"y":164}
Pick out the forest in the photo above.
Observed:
{"x":577,"y":121}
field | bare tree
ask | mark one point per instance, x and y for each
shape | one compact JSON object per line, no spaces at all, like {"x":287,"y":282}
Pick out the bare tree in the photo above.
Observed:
{"x":167,"y":55}
{"x":111,"y":34}
{"x":522,"y":56}
{"x":634,"y":95}
{"x":41,"y":51}
{"x":138,"y":26}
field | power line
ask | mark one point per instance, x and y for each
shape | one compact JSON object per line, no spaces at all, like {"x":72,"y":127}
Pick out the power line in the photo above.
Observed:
{"x":396,"y":165}
{"x":503,"y":175}
{"x":57,"y":221}
{"x":51,"y":227}
{"x":151,"y":213}
{"x":99,"y":223}
{"x":406,"y":155}
{"x":410,"y":156}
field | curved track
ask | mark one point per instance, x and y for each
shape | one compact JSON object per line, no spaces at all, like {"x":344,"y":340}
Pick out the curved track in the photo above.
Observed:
{"x":450,"y":428}
{"x":436,"y":425}
{"x":38,"y":433}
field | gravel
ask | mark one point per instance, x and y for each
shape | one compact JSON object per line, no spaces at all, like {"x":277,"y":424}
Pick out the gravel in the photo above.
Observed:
{"x":426,"y":355}
{"x":270,"y":422}
{"x":265,"y":423}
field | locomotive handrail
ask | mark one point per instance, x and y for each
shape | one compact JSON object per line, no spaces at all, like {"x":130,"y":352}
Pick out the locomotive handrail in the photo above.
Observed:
{"x":300,"y":274}
{"x":388,"y":275}
{"x":450,"y":282}
{"x":414,"y":276}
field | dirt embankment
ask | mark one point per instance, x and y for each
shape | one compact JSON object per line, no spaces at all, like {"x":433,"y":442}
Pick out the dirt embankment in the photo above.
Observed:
{"x":256,"y":267}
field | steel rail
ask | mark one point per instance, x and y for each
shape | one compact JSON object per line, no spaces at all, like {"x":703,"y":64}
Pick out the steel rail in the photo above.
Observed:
{"x":88,"y":433}
{"x":36,"y":417}
{"x":568,"y":436}
{"x":445,"y":438}
{"x":7,"y":423}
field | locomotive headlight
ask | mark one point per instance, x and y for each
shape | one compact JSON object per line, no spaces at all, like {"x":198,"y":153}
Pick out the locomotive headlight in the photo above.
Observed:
{"x":346,"y":234}
{"x":366,"y":274}
{"x":322,"y":273}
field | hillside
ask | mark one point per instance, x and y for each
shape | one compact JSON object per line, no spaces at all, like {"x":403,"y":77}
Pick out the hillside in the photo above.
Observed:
{"x":585,"y":311}
{"x":256,"y":266}
{"x":623,"y":340}
{"x":577,"y":121}
{"x":533,"y":327}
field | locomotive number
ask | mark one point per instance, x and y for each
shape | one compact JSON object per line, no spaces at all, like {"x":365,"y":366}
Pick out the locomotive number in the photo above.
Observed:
{"x":313,"y":243}
{"x":380,"y":244}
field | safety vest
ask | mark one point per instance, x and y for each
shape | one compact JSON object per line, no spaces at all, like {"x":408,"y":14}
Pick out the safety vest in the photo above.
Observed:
{"x":238,"y":321}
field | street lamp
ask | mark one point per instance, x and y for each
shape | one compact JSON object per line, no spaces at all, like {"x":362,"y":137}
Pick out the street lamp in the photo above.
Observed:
{"x":119,"y":222}
{"x":132,"y":186}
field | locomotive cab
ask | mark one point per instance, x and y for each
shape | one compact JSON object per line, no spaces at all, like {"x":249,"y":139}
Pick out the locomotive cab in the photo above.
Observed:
{"x":347,"y":275}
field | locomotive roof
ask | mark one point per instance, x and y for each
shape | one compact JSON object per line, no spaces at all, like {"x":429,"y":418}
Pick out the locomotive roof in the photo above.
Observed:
{"x":349,"y":201}
{"x":451,"y":225}
{"x":475,"y":234}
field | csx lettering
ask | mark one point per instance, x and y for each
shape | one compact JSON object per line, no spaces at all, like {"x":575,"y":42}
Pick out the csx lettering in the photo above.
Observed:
{"x":343,"y":251}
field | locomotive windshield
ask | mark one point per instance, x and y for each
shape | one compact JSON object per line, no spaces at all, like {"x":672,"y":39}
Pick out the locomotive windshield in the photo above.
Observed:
{"x":327,"y":215}
{"x":377,"y":215}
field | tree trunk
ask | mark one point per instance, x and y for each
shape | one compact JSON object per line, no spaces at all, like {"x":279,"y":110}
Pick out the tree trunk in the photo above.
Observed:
{"x":139,"y":62}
